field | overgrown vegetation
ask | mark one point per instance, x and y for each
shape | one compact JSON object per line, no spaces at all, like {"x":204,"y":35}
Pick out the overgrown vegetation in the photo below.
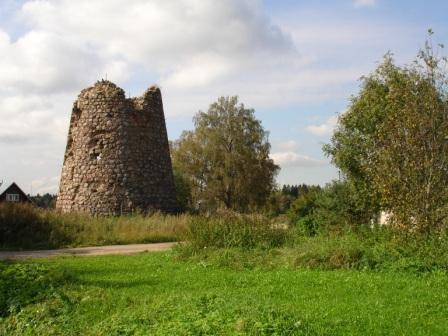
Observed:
{"x":24,"y":226}
{"x":380,"y":250}
{"x":228,"y":229}
{"x":239,"y":241}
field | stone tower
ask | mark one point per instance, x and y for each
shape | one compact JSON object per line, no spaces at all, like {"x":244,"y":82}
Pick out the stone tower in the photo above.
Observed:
{"x":117,"y":157}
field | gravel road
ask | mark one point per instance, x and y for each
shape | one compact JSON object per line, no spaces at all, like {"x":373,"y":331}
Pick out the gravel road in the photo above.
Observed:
{"x":87,"y":251}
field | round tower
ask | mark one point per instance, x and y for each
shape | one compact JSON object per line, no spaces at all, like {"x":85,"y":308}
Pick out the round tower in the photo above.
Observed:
{"x":117,"y":157}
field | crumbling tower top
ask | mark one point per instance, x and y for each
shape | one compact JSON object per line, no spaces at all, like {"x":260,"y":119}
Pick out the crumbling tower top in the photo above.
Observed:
{"x":117,"y":156}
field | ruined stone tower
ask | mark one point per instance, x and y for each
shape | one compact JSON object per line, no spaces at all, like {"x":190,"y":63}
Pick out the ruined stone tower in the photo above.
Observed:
{"x":117,"y":157}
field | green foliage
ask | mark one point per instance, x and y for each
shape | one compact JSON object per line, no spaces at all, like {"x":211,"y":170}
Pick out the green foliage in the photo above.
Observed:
{"x":374,"y":249}
{"x":307,"y":226}
{"x":391,"y":144}
{"x":302,"y":209}
{"x":296,"y":190}
{"x":278,"y":203}
{"x":408,"y":165}
{"x":23,"y":284}
{"x":339,"y":205}
{"x":24,"y":226}
{"x":183,"y":191}
{"x":351,"y":145}
{"x":46,"y":201}
{"x":305,"y":203}
{"x":227,"y":229}
{"x":377,"y":249}
{"x":226,"y":158}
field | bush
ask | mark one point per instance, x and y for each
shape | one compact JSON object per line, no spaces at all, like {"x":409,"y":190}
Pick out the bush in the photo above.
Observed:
{"x":306,"y":226}
{"x":371,"y":248}
{"x":183,"y":191}
{"x":336,"y":206}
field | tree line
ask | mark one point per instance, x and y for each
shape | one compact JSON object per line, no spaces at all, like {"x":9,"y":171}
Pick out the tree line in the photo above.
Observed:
{"x":390,"y":146}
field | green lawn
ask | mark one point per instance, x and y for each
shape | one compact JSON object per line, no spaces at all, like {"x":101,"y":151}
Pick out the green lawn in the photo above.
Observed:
{"x":153,"y":294}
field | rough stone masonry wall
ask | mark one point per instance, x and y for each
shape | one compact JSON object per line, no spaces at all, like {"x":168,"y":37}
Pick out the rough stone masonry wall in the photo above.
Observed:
{"x":117,"y":156}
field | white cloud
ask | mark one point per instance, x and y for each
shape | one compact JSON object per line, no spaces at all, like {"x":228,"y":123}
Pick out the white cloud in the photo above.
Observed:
{"x":197,"y":50}
{"x":45,"y":185}
{"x":44,"y":62}
{"x":364,"y":3}
{"x":180,"y":43}
{"x":39,"y":118}
{"x":289,"y":145}
{"x":199,"y":71}
{"x":292,"y":159}
{"x":172,"y":38}
{"x":324,"y":129}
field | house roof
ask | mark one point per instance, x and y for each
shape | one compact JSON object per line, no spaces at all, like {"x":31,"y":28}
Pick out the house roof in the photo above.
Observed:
{"x":14,"y":185}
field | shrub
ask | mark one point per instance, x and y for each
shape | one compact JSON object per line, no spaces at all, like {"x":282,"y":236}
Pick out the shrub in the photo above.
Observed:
{"x":371,"y":248}
{"x":306,"y":226}
{"x":304,"y":204}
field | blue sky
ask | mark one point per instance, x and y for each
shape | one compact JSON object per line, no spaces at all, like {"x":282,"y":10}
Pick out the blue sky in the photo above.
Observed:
{"x":295,"y":62}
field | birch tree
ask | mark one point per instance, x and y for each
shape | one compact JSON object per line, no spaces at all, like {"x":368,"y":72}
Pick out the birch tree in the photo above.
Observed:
{"x":226,"y":157}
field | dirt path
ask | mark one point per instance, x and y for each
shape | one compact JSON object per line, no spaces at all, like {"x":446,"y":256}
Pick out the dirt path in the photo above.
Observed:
{"x":87,"y":251}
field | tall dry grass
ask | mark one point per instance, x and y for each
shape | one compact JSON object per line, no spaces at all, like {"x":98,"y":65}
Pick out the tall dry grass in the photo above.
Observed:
{"x":24,"y":226}
{"x":136,"y":228}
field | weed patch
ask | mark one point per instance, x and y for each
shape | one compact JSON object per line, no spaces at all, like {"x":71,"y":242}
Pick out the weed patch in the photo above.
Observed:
{"x":227,"y":230}
{"x":24,"y":283}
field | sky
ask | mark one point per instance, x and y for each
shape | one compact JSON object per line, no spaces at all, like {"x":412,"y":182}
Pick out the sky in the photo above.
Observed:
{"x":297,"y":63}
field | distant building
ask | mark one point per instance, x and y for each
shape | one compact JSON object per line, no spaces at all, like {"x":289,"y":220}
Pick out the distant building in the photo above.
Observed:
{"x":14,"y":194}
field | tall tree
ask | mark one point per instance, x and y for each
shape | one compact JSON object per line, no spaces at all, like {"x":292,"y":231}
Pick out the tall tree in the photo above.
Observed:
{"x":393,"y":141}
{"x":409,"y":167}
{"x":226,"y":157}
{"x":352,"y":144}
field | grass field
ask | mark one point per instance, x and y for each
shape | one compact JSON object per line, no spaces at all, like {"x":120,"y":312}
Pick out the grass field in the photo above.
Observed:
{"x":157,"y":294}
